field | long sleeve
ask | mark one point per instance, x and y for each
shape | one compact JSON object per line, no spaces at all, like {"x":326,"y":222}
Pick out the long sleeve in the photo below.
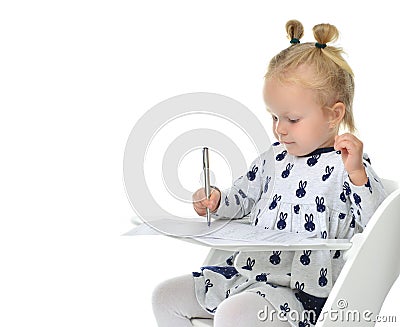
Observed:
{"x":364,"y":199}
{"x":239,"y":200}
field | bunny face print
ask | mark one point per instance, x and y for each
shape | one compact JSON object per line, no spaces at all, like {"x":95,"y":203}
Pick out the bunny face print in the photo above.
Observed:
{"x":299,"y":122}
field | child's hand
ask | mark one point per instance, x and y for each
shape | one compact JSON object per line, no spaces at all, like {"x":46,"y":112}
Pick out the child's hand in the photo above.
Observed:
{"x":352,"y":156}
{"x":200,"y":202}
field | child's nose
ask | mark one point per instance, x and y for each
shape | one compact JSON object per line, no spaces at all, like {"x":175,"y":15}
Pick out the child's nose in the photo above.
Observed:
{"x":280,"y":128}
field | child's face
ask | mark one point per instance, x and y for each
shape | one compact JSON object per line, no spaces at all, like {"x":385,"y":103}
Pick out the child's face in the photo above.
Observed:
{"x":299,"y":122}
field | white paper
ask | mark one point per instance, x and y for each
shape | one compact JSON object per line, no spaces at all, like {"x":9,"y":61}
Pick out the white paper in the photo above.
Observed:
{"x":235,"y":230}
{"x":245,"y":232}
{"x":179,"y":227}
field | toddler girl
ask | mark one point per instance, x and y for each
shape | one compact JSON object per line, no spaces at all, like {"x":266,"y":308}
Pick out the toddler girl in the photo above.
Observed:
{"x":312,"y":180}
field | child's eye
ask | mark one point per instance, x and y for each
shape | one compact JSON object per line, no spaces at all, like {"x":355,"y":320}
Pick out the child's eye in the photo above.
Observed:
{"x":293,"y":121}
{"x":274,"y":118}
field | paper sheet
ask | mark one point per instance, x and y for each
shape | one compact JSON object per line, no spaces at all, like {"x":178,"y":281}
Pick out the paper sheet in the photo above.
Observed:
{"x":245,"y":232}
{"x":179,"y":227}
{"x":235,"y":230}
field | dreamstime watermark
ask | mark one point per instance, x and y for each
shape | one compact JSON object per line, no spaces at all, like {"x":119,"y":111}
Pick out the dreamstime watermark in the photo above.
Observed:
{"x":342,"y":314}
{"x":214,"y":106}
{"x":345,"y":314}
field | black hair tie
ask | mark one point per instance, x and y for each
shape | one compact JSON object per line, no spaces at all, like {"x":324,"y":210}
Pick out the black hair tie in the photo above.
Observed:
{"x":320,"y":45}
{"x":294,"y":41}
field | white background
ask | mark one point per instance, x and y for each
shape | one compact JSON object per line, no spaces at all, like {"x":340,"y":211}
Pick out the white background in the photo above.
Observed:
{"x":75,"y":78}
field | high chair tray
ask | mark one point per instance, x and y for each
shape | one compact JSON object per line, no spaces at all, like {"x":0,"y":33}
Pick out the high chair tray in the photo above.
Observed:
{"x":236,"y":235}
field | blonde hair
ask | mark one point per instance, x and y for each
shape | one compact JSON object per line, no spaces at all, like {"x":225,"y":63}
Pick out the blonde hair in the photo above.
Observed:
{"x":332,"y":77}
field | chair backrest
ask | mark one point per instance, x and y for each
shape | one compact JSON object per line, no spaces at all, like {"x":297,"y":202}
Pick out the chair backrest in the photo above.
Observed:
{"x":390,"y":185}
{"x":370,"y":270}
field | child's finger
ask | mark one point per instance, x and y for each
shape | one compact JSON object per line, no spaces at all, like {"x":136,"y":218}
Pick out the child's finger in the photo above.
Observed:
{"x":200,"y":209}
{"x":215,"y":195}
{"x":349,"y":139}
{"x":199,"y":195}
{"x":200,"y":206}
{"x":206,"y":204}
{"x":342,"y":144}
{"x":349,"y":147}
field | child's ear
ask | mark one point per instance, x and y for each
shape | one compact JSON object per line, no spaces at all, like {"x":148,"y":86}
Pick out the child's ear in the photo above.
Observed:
{"x":336,"y":114}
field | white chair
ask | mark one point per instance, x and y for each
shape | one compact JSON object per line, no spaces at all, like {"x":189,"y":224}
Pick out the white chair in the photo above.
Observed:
{"x":372,"y":266}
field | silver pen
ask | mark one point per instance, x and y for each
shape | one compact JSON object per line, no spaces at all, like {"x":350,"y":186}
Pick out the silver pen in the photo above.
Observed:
{"x":206,"y":166}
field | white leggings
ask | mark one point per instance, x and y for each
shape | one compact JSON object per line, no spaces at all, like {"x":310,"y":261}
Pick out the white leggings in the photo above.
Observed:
{"x":174,"y":303}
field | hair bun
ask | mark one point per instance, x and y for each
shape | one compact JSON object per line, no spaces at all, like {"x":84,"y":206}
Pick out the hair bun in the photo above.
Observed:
{"x":294,"y":29}
{"x":325,"y":33}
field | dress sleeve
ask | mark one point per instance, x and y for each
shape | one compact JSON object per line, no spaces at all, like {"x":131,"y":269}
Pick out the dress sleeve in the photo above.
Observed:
{"x":364,"y":199}
{"x":240,"y":198}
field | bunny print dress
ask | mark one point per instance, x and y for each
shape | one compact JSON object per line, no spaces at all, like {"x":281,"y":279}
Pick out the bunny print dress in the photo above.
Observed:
{"x":280,"y":191}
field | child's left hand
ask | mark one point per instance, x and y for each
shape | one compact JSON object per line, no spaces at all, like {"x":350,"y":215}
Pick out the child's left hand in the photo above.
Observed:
{"x":352,"y":155}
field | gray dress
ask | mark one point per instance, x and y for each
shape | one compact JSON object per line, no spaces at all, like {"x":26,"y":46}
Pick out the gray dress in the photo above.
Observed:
{"x":295,"y":194}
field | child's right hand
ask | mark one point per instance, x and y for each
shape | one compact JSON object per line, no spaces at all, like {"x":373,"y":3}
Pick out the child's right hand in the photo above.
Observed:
{"x":200,"y":202}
